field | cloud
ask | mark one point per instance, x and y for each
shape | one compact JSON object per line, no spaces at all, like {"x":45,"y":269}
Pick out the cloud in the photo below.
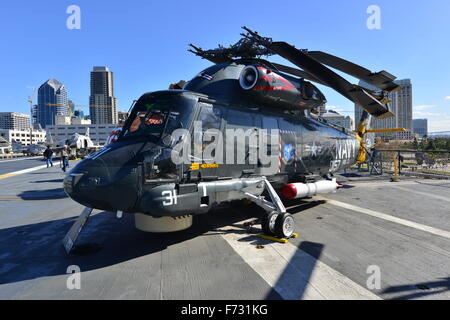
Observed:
{"x":438,"y":125}
{"x":417,"y":114}
{"x":438,"y":118}
{"x":447,"y":98}
{"x":424,"y":107}
{"x":437,"y":122}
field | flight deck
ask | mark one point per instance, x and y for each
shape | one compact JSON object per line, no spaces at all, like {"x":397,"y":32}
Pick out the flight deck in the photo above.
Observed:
{"x":373,"y":239}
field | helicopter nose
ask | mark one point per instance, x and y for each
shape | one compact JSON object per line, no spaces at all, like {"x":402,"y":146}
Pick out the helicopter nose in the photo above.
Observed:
{"x":109,"y":179}
{"x":104,"y":183}
{"x":89,"y":184}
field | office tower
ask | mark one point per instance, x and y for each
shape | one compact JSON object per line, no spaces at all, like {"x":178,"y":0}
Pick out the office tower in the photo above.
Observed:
{"x":420,"y":127}
{"x":403,"y":99}
{"x":102,"y":103}
{"x":14,"y":121}
{"x":52,"y":100}
{"x":400,"y":106}
{"x":78,"y":113}
{"x":34,"y":115}
{"x":71,"y":106}
{"x":338,"y":119}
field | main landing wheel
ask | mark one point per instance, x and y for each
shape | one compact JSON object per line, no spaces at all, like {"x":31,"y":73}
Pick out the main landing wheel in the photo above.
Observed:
{"x":268,"y":223}
{"x":284,"y":225}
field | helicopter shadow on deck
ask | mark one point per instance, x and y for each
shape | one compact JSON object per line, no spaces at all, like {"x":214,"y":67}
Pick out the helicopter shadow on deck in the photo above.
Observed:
{"x":294,"y":280}
{"x":419,"y":290}
{"x":48,"y":194}
{"x":35,"y":251}
{"x":48,"y":181}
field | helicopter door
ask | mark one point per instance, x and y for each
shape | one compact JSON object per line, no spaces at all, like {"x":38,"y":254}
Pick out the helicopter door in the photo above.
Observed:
{"x":207,"y":141}
{"x":241,"y":148}
{"x":269,"y":138}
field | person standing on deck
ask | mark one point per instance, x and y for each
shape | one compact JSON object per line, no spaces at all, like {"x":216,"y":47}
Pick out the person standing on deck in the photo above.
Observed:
{"x":64,"y":158}
{"x":48,"y":155}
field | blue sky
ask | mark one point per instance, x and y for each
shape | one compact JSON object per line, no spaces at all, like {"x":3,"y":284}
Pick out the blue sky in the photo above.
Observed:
{"x":145,"y":43}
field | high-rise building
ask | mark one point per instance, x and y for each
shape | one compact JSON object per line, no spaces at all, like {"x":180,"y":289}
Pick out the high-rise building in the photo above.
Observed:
{"x":71,"y":105}
{"x":78,"y":113}
{"x":420,"y":127}
{"x":14,"y":121}
{"x":52,"y":100}
{"x":34,"y":114}
{"x":400,"y":106}
{"x":338,"y":119}
{"x":102,"y":103}
{"x":404,"y":105}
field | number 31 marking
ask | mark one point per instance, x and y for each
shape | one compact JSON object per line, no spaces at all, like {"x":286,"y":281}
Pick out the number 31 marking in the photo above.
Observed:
{"x":170,"y":197}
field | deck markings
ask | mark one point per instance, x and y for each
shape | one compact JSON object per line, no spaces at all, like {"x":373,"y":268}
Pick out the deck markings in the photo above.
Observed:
{"x":447,"y":199}
{"x":19,"y":159}
{"x":380,"y":215}
{"x":292,"y":272}
{"x":9,"y":198}
{"x":16,"y":173}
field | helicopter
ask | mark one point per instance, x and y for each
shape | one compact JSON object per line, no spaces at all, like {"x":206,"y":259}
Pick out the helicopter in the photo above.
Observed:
{"x":242,"y":129}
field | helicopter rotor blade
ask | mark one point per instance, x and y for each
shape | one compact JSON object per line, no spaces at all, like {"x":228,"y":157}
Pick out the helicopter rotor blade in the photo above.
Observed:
{"x":332,"y":79}
{"x":206,"y":54}
{"x":303,"y":74}
{"x":382,"y":80}
{"x":301,"y":59}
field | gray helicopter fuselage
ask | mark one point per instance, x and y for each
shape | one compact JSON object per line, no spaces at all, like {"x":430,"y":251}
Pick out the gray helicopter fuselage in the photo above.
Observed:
{"x":137,"y":173}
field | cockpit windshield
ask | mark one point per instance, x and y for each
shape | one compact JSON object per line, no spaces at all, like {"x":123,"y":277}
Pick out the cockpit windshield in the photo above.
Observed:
{"x":156,"y":116}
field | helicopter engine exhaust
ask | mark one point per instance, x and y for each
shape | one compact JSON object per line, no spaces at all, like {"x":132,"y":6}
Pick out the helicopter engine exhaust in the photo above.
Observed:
{"x":249,"y":77}
{"x":276,"y":90}
{"x":303,"y":190}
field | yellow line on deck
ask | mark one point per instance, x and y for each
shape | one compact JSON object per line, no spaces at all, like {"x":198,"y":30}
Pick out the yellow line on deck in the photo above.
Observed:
{"x":10,"y":199}
{"x":3,"y":176}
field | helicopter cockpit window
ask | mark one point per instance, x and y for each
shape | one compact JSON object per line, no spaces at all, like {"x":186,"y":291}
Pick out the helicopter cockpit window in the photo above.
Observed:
{"x":210,"y":118}
{"x":150,"y":122}
{"x":158,"y":117}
